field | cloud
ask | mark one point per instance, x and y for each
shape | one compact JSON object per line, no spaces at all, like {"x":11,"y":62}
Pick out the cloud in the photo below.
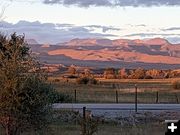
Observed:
{"x":171,"y":29}
{"x":171,"y":37}
{"x":114,"y":3}
{"x":150,"y":34}
{"x":80,"y":3}
{"x":137,"y":25}
{"x":140,"y":25}
{"x":104,"y":28}
{"x":49,"y":32}
{"x":175,"y":40}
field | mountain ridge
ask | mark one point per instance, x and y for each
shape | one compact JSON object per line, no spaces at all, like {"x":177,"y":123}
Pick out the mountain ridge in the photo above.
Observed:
{"x":156,"y":51}
{"x":105,"y":41}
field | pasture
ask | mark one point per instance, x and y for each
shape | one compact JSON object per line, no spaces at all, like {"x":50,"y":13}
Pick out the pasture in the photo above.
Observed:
{"x":118,"y":90}
{"x":104,"y":129}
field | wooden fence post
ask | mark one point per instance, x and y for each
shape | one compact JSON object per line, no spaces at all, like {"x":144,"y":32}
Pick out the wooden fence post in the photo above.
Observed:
{"x":157,"y":97}
{"x":75,"y":92}
{"x":136,"y":97}
{"x":84,"y":120}
{"x":177,"y":100}
{"x":117,"y":97}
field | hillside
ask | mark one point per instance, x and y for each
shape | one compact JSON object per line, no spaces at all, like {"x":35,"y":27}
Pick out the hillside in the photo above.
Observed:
{"x":156,"y":53}
{"x":31,"y":41}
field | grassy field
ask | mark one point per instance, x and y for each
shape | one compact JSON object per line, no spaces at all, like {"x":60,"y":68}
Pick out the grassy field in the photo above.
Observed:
{"x":105,"y":91}
{"x":103,"y":129}
{"x":110,"y":129}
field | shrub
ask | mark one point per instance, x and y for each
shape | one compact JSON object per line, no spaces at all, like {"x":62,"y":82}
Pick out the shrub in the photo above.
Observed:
{"x":25,"y":95}
{"x":93,"y":81}
{"x":56,"y":80}
{"x":148,"y":77}
{"x":91,"y":126}
{"x":72,"y":76}
{"x":176,"y":84}
{"x":86,"y":80}
{"x":83,"y":80}
{"x":61,"y":98}
{"x":110,"y":76}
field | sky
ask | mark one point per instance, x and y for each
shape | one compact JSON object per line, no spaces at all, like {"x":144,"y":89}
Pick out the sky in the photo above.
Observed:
{"x":55,"y":21}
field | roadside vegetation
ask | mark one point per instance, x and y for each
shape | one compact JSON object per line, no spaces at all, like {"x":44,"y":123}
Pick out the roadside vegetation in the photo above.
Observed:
{"x":25,"y":95}
{"x":71,"y":123}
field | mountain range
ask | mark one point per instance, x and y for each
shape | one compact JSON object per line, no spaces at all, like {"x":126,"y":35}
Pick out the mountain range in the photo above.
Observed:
{"x":149,"y":53}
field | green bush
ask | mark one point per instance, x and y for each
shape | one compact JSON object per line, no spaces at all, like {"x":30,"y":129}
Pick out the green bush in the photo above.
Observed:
{"x":86,"y":80}
{"x":25,"y":96}
{"x":83,"y":80}
{"x":93,"y":81}
{"x":61,"y":98}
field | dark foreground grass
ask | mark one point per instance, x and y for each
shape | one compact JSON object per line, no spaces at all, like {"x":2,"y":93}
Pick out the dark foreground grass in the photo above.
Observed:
{"x":104,"y":129}
{"x":110,"y":129}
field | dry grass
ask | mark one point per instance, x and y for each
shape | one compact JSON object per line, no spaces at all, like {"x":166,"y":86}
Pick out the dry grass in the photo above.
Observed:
{"x":105,"y":90}
{"x":105,"y":129}
{"x":111,"y":129}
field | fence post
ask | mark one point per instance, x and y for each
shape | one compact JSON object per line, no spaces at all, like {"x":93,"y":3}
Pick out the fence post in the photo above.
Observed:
{"x":136,"y":97}
{"x":75,"y":92}
{"x":177,"y":100}
{"x":113,"y":86}
{"x":116,"y":96}
{"x":157,"y":97}
{"x":84,"y":120}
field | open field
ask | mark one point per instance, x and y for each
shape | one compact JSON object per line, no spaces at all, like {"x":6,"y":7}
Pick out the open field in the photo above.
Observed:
{"x":121,"y":91}
{"x":104,"y":129}
{"x":112,"y":129}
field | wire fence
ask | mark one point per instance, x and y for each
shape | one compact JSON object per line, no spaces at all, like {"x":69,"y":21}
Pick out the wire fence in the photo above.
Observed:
{"x":127,"y":95}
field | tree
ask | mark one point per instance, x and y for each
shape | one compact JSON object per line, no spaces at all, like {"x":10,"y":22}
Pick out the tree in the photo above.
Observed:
{"x":122,"y":73}
{"x":109,"y":73}
{"x":72,"y":70}
{"x":2,"y":12}
{"x":139,"y":73}
{"x":154,"y":73}
{"x":25,"y":97}
{"x":87,"y":72}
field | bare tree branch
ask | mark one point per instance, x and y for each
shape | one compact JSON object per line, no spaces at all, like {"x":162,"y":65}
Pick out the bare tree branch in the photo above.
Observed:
{"x":2,"y":13}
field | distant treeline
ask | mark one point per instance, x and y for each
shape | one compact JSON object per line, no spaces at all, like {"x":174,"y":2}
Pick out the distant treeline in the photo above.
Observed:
{"x":123,"y":73}
{"x":139,"y":73}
